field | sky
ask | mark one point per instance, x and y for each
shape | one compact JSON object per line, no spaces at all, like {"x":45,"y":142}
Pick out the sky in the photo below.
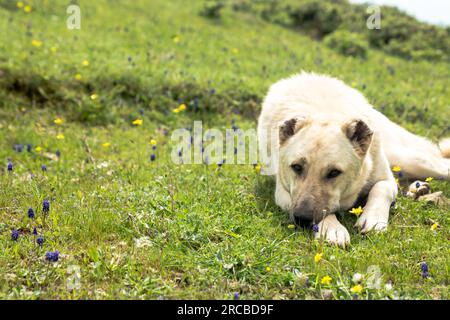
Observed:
{"x":431,"y":11}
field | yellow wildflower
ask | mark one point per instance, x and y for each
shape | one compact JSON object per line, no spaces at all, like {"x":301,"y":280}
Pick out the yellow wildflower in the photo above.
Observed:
{"x":94,"y":96}
{"x":60,"y":136}
{"x":434,"y":226}
{"x":138,"y":122}
{"x":356,"y":289}
{"x":396,"y":169}
{"x":27,"y":9}
{"x":176,"y":39}
{"x":318,"y":257}
{"x":176,"y":110}
{"x":258,"y":168}
{"x":78,"y":77}
{"x":53,"y":49}
{"x":153,"y":142}
{"x":85,"y":63}
{"x":291,"y":226}
{"x":356,"y":211}
{"x":36,"y":43}
{"x":38,"y":149}
{"x":58,"y":121}
{"x":20,"y":4}
{"x":106,"y":145}
{"x":429,"y":179}
{"x":354,"y":84}
{"x":268,"y":269}
{"x":326,"y":280}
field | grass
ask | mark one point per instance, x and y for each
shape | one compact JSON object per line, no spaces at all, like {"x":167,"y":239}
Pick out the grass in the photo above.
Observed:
{"x":130,"y":228}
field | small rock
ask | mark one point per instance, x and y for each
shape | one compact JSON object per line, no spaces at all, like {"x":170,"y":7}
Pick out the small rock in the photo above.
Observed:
{"x":327,"y":294}
{"x":437,"y":198}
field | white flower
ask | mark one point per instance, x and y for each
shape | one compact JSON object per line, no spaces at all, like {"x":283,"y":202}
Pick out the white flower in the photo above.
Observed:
{"x":143,"y":242}
{"x":388,"y":286}
{"x":357,"y":278}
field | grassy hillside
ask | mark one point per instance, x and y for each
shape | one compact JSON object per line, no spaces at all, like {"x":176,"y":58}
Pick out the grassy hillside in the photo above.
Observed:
{"x":129,"y":227}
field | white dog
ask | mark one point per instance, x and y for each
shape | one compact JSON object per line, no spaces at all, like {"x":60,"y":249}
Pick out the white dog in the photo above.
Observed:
{"x":332,"y":148}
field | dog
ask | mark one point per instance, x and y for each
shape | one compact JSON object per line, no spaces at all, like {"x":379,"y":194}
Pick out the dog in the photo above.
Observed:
{"x":331,"y":148}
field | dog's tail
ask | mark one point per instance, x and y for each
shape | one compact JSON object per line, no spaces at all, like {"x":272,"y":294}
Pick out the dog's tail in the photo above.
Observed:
{"x":444,"y":146}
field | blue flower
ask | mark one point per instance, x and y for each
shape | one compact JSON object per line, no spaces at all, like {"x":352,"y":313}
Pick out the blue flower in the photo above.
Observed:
{"x":30,"y":213}
{"x":52,"y":256}
{"x":424,"y":267}
{"x":393,"y":204}
{"x":14,"y":235}
{"x":58,"y":153}
{"x":152,"y":157}
{"x":236,"y":296}
{"x":10,"y":166}
{"x":40,"y":240}
{"x":49,"y":256}
{"x":29,"y":147}
{"x":180,"y":153}
{"x":425,"y":274}
{"x":34,"y":231}
{"x":417,"y":184}
{"x":18,"y":147}
{"x":44,"y":167}
{"x":315,"y":228}
{"x":45,"y":206}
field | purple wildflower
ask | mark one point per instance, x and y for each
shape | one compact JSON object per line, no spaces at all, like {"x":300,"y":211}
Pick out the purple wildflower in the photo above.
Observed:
{"x":30,"y":213}
{"x":52,"y":256}
{"x":58,"y":153}
{"x":152,"y":157}
{"x":10,"y":166}
{"x":46,"y":206}
{"x":424,"y":267}
{"x":40,"y":240}
{"x":28,"y":147}
{"x":14,"y":235}
{"x":34,"y":231}
{"x":315,"y":228}
{"x":44,"y":167}
{"x":236,"y":296}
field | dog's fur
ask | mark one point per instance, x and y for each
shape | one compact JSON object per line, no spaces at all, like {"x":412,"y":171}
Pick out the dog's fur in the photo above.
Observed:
{"x":325,"y":125}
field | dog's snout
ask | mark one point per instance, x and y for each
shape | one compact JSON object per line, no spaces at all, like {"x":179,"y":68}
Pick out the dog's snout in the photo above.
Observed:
{"x":302,"y":222}
{"x":303,"y":218}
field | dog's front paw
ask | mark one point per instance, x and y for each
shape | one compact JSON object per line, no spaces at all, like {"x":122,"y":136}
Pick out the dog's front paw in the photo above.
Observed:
{"x":371,"y":222}
{"x":333,"y":231}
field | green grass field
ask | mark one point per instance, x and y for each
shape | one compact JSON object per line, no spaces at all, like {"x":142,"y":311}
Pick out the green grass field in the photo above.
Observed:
{"x":127,"y":227}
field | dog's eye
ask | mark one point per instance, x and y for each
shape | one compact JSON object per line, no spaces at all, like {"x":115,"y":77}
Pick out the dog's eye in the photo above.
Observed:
{"x":333,"y":173}
{"x":298,"y":169}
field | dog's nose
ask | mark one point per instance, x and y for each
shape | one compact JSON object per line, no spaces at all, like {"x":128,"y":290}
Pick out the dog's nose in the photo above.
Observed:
{"x":302,"y":221}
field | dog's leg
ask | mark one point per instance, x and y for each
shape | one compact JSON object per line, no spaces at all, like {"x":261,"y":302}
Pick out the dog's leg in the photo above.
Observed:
{"x":333,"y":231}
{"x":419,"y":165}
{"x":376,"y":211}
{"x":282,"y":197}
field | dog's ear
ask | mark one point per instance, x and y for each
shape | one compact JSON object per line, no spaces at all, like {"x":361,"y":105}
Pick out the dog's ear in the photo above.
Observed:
{"x":359,"y":134}
{"x":291,"y":127}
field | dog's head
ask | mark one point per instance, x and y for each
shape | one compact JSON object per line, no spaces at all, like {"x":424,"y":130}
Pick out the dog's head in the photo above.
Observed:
{"x":320,"y":163}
